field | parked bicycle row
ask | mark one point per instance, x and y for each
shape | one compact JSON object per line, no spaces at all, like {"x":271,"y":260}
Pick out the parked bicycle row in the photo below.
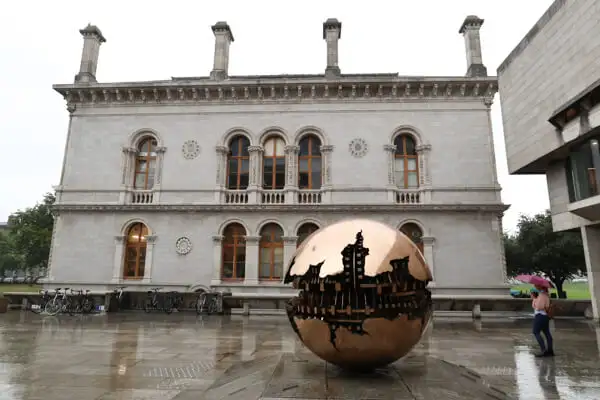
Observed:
{"x":80,"y":301}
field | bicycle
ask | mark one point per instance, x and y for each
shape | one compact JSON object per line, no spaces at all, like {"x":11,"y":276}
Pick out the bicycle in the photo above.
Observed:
{"x":60,"y":303}
{"x":38,"y":308}
{"x":158,"y":301}
{"x":208,"y":302}
{"x":117,"y":295}
{"x":84,"y":304}
{"x":177,"y":299}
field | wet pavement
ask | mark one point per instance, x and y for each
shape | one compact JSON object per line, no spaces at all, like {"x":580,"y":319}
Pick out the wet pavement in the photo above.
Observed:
{"x":183,"y":357}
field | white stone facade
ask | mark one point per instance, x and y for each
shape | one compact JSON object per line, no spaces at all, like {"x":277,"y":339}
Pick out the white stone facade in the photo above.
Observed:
{"x":453,"y":196}
{"x":550,"y":91}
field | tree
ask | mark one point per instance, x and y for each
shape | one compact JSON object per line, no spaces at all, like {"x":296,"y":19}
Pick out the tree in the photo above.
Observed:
{"x":31,"y":233}
{"x":537,"y":249}
{"x":9,"y":259}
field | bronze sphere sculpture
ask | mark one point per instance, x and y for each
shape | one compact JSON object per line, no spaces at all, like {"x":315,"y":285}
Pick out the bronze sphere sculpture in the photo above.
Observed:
{"x":363,"y":300}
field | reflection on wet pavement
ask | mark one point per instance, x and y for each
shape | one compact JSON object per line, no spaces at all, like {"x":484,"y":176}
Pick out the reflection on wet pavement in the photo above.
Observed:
{"x":181,"y":356}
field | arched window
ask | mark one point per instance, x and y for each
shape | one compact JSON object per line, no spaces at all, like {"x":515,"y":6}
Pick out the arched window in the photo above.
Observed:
{"x":414,"y":232}
{"x":406,"y":162}
{"x":145,"y":164}
{"x":238,"y":163}
{"x":271,"y":252}
{"x":135,"y":251}
{"x":305,"y":231}
{"x":234,"y":252}
{"x":309,"y":163}
{"x":274,"y":164}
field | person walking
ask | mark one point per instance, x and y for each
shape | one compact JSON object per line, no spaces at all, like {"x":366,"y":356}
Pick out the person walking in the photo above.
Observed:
{"x":541,"y":321}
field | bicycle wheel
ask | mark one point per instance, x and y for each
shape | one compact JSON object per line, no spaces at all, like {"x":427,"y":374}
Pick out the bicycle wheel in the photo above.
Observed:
{"x":35,"y":307}
{"x":70,"y":308}
{"x":148,"y":305}
{"x":212,"y":307}
{"x":168,"y":305}
{"x":87,"y":306}
{"x":199,"y":305}
{"x":53,"y":307}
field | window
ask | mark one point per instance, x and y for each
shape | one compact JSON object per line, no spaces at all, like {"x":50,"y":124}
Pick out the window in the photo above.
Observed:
{"x":271,"y":252}
{"x":415,"y":234}
{"x":583,"y":170}
{"x":135,"y":252}
{"x":238,"y":163}
{"x":305,"y":231}
{"x":145,"y":164}
{"x":274,"y":164}
{"x":406,"y":171}
{"x":309,"y":163}
{"x":234,"y":252}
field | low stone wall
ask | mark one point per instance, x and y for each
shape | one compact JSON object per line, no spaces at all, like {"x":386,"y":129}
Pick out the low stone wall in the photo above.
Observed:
{"x":257,"y":304}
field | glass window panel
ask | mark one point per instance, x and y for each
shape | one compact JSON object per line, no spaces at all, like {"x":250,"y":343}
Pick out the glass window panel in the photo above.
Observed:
{"x":265,"y":255}
{"x":240,"y":254}
{"x":232,"y":181}
{"x":410,"y":146}
{"x":265,"y":271}
{"x":304,"y":143}
{"x":316,"y":180}
{"x":412,"y":164}
{"x":269,"y":148}
{"x":399,"y":145}
{"x":265,"y":236}
{"x":228,"y":254}
{"x":141,"y":269}
{"x":413,"y":182}
{"x":399,"y":164}
{"x":303,"y":165}
{"x":278,"y":255}
{"x":243,"y":181}
{"x":280,"y":163}
{"x":130,"y":269}
{"x":153,"y":145}
{"x":142,"y":166}
{"x":280,"y":147}
{"x":278,"y":270}
{"x":277,"y":234}
{"x":240,"y":270}
{"x":245,"y":165}
{"x":142,"y":252}
{"x":280,"y":179}
{"x":315,"y":145}
{"x":227,"y":270}
{"x":400,"y":179}
{"x":150,"y":182}
{"x":233,"y":165}
{"x":131,"y":254}
{"x":315,"y":165}
{"x":245,"y":145}
{"x":144,"y":229}
{"x":303,"y":180}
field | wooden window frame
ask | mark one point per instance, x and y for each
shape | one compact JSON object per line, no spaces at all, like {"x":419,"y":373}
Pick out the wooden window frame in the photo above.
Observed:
{"x":310,"y":157}
{"x":239,"y":159}
{"x":235,"y":245}
{"x":139,"y":245}
{"x":274,"y":157}
{"x":151,"y":156}
{"x":405,"y":158}
{"x":311,"y":224}
{"x":271,"y":245}
{"x":420,"y":245}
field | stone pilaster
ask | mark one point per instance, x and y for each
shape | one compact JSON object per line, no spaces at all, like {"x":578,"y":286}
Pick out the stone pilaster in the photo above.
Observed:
{"x":150,"y":242}
{"x":289,"y":248}
{"x":390,"y":151}
{"x":326,"y":154}
{"x":217,"y":259}
{"x":428,"y":253}
{"x":424,"y":172}
{"x":252,"y":249}
{"x":160,"y":156}
{"x":255,"y":172}
{"x":291,"y":179}
{"x":118,"y":258}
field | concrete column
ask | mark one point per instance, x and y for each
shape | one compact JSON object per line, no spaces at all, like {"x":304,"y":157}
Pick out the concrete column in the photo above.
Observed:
{"x":591,"y":247}
{"x":289,"y":248}
{"x":327,"y":178}
{"x":255,"y":173}
{"x":92,"y":39}
{"x":332,"y":32}
{"x":118,"y":260}
{"x":223,"y":38}
{"x":291,"y":179}
{"x":470,"y":30}
{"x":160,"y":156}
{"x":252,"y":248}
{"x":217,"y":254}
{"x":150,"y":241}
{"x":424,"y":173}
{"x":428,"y":243}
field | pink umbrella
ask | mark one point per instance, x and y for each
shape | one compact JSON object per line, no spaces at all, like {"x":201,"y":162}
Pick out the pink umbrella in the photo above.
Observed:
{"x":535,"y":280}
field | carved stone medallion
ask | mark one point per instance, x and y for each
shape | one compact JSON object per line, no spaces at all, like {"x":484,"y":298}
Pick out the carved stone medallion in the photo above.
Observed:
{"x":183,"y":246}
{"x":190,"y":149}
{"x":358,"y":147}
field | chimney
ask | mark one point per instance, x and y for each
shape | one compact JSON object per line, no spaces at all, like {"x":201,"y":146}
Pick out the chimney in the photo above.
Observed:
{"x":223,"y":37}
{"x":470,"y":31}
{"x":92,"y":39}
{"x":332,"y":32}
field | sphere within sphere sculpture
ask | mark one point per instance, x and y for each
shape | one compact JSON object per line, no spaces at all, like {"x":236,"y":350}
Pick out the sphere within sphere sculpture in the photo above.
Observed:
{"x":363,"y":300}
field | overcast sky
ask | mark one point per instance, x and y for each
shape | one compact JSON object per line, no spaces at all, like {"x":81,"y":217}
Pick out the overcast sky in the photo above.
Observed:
{"x":40,"y":45}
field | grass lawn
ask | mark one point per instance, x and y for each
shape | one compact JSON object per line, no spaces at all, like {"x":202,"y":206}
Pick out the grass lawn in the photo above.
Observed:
{"x":7,"y":288}
{"x":575,"y":290}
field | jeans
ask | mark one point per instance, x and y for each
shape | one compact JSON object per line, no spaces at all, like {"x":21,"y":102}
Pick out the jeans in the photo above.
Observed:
{"x":541,"y":323}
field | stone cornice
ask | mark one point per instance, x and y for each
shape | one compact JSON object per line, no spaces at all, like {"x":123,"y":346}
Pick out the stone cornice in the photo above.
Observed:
{"x":292,"y":208}
{"x":277,"y":90}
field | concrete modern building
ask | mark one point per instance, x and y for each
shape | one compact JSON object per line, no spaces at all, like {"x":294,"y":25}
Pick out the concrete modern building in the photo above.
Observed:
{"x":212,"y":181}
{"x":550,"y":93}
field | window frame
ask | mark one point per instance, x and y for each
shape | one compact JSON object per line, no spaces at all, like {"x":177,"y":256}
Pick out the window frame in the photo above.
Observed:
{"x":139,"y":245}
{"x":238,"y":231}
{"x":271,"y":245}
{"x":310,"y":157}
{"x":274,"y":159}
{"x":298,"y":232}
{"x":241,"y":139}
{"x":404,"y":157}
{"x":413,"y":228}
{"x":149,"y":158}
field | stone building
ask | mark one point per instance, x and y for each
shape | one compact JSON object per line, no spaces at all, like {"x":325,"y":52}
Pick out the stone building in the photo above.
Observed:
{"x":212,"y":181}
{"x":550,"y":92}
